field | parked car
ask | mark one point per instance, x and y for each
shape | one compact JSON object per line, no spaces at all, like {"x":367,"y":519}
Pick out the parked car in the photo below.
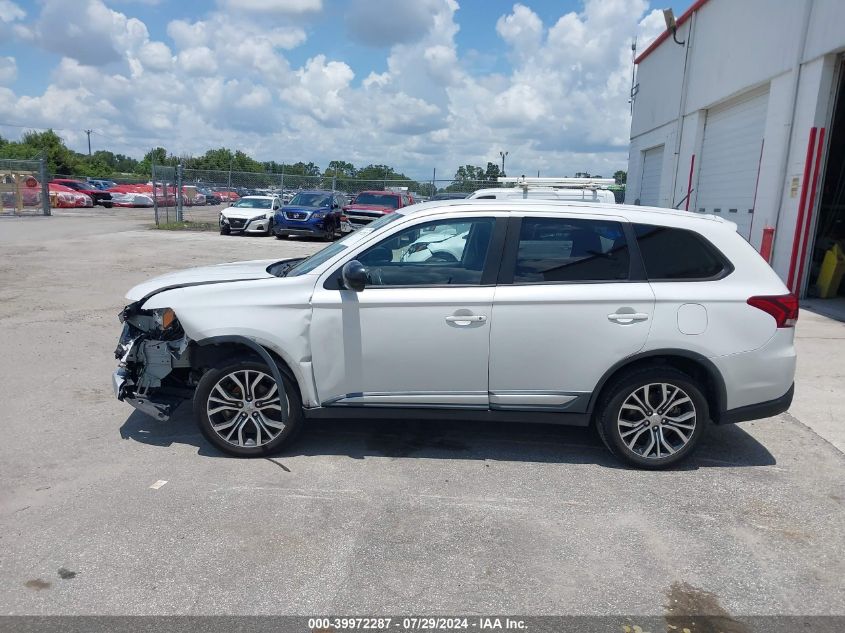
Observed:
{"x":66,"y":197}
{"x":545,"y":193}
{"x":227,"y":195}
{"x":646,"y":323}
{"x":211,"y":197}
{"x":371,"y":205}
{"x":132,"y":199}
{"x":250,"y":214}
{"x":312,"y":213}
{"x":192,"y":197}
{"x":98,"y":196}
{"x":102,"y":185}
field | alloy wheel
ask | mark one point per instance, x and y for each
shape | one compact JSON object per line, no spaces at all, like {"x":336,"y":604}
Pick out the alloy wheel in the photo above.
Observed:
{"x":656,"y":420}
{"x":244,"y":408}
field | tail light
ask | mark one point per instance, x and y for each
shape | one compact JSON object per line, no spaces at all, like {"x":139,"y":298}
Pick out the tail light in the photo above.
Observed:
{"x":784,"y":308}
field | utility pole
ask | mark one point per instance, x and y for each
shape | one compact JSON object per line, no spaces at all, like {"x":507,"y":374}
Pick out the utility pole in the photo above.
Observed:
{"x":503,"y":155}
{"x":88,"y":132}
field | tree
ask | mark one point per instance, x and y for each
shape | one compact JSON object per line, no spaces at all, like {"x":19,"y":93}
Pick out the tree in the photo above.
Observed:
{"x":620,"y":176}
{"x":493,"y":172}
{"x":340,"y":168}
{"x":469,"y":172}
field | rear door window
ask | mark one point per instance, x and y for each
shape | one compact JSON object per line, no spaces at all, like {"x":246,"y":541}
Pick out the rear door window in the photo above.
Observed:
{"x":673,"y":254}
{"x":571,"y":250}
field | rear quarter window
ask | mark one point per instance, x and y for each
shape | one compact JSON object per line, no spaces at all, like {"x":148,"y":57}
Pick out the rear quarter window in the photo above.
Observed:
{"x":678,"y":254}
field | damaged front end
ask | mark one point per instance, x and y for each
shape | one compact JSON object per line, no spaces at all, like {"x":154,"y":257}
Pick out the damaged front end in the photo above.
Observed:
{"x":154,"y":375}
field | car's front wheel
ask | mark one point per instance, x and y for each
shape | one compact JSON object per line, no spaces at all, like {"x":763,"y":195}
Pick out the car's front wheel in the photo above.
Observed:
{"x":239,"y":409}
{"x":225,"y":229}
{"x":652,"y":418}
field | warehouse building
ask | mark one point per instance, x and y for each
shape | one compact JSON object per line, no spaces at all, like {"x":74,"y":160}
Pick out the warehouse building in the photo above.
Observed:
{"x":739,"y":111}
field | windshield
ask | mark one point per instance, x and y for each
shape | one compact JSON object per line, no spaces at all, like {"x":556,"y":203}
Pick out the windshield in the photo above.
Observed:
{"x":311,"y":200}
{"x":253,"y":203}
{"x":380,"y":199}
{"x":350,"y":239}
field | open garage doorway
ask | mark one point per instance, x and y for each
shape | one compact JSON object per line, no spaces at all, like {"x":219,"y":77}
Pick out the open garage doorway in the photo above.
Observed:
{"x":826,"y":289}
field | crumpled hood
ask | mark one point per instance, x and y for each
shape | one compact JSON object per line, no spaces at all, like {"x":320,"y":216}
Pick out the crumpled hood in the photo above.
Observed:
{"x":234,"y":271}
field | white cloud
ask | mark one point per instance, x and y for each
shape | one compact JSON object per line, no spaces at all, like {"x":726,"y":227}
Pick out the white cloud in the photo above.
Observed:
{"x":8,"y":70}
{"x":522,"y":29}
{"x":91,"y":33}
{"x":274,"y":6}
{"x":9,"y":11}
{"x":156,"y":56}
{"x":199,"y":60}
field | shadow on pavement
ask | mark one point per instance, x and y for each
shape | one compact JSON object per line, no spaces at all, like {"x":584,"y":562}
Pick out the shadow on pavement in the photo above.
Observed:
{"x":722,"y":446}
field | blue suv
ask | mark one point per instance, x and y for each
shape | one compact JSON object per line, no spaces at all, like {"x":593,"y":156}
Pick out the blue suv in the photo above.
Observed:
{"x":312,"y":213}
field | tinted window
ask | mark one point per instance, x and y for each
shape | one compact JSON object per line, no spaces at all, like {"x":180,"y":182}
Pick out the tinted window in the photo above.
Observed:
{"x":670,"y":253}
{"x":553,"y":249}
{"x":379,"y":199}
{"x":446,"y":252}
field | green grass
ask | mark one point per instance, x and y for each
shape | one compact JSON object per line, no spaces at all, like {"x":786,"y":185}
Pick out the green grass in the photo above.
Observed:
{"x":187,"y":226}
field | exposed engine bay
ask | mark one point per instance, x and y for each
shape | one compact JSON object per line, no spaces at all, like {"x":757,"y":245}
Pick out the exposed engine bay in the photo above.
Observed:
{"x":155,"y":373}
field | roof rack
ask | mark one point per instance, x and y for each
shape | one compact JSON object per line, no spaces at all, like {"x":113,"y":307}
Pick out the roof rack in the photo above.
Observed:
{"x":562,"y":183}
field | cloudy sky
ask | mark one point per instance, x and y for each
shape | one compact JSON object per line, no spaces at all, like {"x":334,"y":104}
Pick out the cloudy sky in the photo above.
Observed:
{"x":417,"y":84}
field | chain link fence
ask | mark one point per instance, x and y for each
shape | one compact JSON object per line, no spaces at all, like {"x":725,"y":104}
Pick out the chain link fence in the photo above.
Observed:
{"x":197,"y":196}
{"x":23,"y":188}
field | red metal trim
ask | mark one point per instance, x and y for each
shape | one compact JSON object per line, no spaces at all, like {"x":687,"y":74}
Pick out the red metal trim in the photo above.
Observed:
{"x":689,"y":182}
{"x":805,"y":238}
{"x":799,"y":223}
{"x":665,"y":35}
{"x":767,"y":242}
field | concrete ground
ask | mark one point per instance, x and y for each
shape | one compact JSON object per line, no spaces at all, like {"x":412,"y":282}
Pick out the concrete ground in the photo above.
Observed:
{"x":374,"y":517}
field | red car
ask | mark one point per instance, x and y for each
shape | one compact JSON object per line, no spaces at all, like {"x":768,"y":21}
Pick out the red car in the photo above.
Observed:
{"x":371,"y":205}
{"x":98,"y":196}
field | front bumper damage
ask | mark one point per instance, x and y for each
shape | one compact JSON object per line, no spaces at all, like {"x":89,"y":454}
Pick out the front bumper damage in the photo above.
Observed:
{"x":148,"y":357}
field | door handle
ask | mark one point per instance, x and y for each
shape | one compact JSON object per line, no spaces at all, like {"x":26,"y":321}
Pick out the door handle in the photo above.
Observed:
{"x":624,"y":318}
{"x":462,"y":319}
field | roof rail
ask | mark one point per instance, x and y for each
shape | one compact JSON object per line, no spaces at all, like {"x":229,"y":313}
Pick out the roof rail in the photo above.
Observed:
{"x":563,"y":183}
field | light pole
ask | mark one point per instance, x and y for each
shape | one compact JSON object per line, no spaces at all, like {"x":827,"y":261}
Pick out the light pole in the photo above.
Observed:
{"x":503,"y":154}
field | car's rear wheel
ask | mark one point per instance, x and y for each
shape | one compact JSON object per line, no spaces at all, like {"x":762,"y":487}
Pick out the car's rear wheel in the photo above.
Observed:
{"x":652,"y":418}
{"x":239,"y":409}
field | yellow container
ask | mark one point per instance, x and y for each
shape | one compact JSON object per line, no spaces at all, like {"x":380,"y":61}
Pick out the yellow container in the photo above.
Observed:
{"x":830,"y":275}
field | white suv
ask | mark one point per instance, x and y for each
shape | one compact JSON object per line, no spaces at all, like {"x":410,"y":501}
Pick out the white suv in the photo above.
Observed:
{"x":647,"y":323}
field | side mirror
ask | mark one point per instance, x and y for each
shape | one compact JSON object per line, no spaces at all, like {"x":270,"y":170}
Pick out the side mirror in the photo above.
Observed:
{"x":354,"y":275}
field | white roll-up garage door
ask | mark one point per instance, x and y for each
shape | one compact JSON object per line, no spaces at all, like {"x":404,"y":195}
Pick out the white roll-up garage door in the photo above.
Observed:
{"x":730,"y":159}
{"x":652,"y":170}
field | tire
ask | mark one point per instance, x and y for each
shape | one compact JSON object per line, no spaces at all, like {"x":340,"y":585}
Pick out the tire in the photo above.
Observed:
{"x":652,"y":441}
{"x":220,"y":402}
{"x":225,"y":230}
{"x":281,"y":236}
{"x":269,"y":228}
